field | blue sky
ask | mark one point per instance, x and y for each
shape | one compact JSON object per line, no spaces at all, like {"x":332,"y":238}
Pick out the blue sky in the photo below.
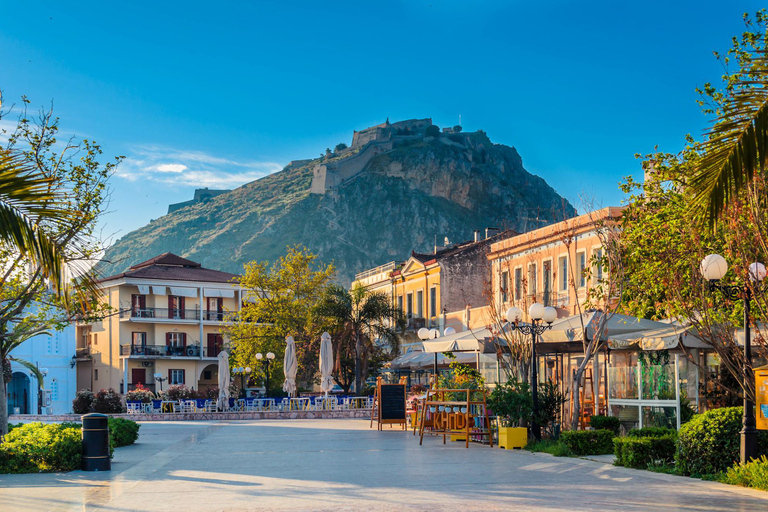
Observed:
{"x":218,"y":94}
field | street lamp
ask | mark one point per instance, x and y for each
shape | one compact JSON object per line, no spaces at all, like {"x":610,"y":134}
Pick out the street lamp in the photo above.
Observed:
{"x":242,"y":372}
{"x":159,"y":378}
{"x":40,"y":387}
{"x":713,"y":269}
{"x":425,"y":334}
{"x":539,"y":314}
{"x":265,"y":363}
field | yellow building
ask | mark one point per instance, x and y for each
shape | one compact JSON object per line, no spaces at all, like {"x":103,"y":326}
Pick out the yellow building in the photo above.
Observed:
{"x":166,"y":318}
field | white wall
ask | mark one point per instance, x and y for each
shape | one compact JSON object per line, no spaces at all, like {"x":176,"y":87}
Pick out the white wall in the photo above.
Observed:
{"x":55,"y":353}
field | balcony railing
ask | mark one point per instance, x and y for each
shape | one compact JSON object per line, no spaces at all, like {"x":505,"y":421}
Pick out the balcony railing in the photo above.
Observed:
{"x":83,"y":353}
{"x":416,"y":323}
{"x":161,"y":314}
{"x":554,"y":299}
{"x":167,"y":351}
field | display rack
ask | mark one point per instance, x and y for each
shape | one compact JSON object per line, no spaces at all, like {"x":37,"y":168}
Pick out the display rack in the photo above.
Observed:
{"x":451,"y":417}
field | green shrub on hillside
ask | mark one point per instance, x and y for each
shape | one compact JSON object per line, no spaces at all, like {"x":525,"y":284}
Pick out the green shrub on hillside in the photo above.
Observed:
{"x":709,"y":443}
{"x":588,"y":442}
{"x":640,"y":452}
{"x":599,"y":422}
{"x":752,"y":474}
{"x":39,"y":448}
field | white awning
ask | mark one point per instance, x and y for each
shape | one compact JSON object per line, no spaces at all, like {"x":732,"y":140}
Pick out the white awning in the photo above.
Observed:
{"x":184,"y":292}
{"x":465,"y":341}
{"x":665,"y":338}
{"x":211,"y":292}
{"x":143,"y":289}
{"x":158,"y":290}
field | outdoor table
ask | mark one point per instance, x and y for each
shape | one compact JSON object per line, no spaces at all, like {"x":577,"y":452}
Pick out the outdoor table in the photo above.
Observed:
{"x":167,"y":406}
{"x":357,"y":402}
{"x":325,"y":403}
{"x":298,"y":404}
{"x":264,"y":404}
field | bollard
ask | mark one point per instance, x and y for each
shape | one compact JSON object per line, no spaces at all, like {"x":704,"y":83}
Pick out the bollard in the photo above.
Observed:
{"x":95,"y":455}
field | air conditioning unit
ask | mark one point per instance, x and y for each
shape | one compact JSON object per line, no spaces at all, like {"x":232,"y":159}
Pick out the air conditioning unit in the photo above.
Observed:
{"x":146,"y":364}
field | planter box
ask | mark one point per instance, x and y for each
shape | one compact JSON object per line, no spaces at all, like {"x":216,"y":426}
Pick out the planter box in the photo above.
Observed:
{"x":513,"y":437}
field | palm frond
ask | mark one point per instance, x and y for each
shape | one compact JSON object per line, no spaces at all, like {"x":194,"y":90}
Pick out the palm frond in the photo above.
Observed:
{"x":736,"y":146}
{"x":31,"y":367}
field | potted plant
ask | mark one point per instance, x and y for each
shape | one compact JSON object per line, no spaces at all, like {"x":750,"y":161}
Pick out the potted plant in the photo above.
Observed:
{"x":512,"y":404}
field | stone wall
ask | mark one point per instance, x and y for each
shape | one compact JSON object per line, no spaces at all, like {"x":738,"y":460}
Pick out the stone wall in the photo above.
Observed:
{"x":464,"y":278}
{"x":328,"y":176}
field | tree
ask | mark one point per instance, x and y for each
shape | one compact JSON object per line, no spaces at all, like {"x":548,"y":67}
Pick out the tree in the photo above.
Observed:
{"x":432,"y":131}
{"x":735,"y":149}
{"x":46,"y":287}
{"x":280,"y":301}
{"x":340,"y":147}
{"x":364,"y":322}
{"x":457,"y":129}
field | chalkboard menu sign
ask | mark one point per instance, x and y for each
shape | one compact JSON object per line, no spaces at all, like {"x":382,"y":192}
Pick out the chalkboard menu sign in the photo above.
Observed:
{"x":392,"y":403}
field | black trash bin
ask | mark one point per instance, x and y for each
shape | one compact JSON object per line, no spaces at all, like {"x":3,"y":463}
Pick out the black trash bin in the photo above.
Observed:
{"x":95,"y":443}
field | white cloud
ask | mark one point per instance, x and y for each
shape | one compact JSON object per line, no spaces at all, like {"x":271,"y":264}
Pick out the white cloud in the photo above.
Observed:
{"x":190,"y":168}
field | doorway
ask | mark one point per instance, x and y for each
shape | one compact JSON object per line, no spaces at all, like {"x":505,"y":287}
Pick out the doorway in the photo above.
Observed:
{"x":18,"y":393}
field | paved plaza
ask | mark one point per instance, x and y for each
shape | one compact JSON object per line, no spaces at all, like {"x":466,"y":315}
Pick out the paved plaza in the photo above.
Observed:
{"x":340,"y":465}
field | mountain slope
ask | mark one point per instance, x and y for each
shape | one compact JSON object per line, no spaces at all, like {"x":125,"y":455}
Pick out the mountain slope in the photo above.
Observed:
{"x":420,"y":191}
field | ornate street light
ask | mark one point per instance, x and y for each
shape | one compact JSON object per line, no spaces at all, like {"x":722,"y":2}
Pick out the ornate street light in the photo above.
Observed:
{"x":265,"y":363}
{"x":425,"y":334}
{"x":713,"y":269}
{"x":159,"y":378}
{"x":242,"y":372}
{"x":539,"y":315}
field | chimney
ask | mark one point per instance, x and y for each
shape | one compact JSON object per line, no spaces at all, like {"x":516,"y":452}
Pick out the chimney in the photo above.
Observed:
{"x":477,"y":235}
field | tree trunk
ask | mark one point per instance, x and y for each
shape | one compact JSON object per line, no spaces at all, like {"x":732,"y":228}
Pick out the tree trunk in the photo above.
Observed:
{"x":358,"y":364}
{"x":576,"y":412}
{"x":3,"y":407}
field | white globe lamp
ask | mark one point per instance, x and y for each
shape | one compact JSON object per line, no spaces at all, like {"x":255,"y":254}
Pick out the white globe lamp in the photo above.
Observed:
{"x":713,"y":267}
{"x":423,"y":333}
{"x":448,"y":331}
{"x":757,"y":272}
{"x":536,"y":311}
{"x":514,"y":315}
{"x":434,"y":333}
{"x":270,"y":355}
{"x":550,"y":314}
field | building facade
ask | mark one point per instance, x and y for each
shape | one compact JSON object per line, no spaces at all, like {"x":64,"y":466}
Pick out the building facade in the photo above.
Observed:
{"x":167,"y":315}
{"x":54,"y":355}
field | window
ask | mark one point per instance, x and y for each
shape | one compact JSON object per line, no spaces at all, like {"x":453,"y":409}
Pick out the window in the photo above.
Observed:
{"x":215,"y":343}
{"x":96,"y":374}
{"x":419,"y":304}
{"x":409,"y":305}
{"x":139,"y":305}
{"x":400,"y":302}
{"x":599,"y":264}
{"x":175,"y":307}
{"x":175,"y":376}
{"x":138,"y":339}
{"x":547,"y":282}
{"x":215,"y":308}
{"x":563,"y":264}
{"x":504,"y":286}
{"x":54,"y":389}
{"x":433,"y":301}
{"x":582,"y":259}
{"x":95,"y":339}
{"x":532,"y":277}
{"x":518,"y":283}
{"x":207,"y":375}
{"x":175,"y":343}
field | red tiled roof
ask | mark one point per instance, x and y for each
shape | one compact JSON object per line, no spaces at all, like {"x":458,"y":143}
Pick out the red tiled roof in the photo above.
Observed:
{"x":170,"y":267}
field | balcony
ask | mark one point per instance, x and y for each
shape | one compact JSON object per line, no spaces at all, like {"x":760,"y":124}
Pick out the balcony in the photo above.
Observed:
{"x":554,"y":299}
{"x":415,"y":323}
{"x":192,"y":350}
{"x":83,"y":353}
{"x":149,"y":314}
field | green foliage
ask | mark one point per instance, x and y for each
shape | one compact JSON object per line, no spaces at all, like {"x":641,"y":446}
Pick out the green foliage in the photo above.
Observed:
{"x":512,"y":404}
{"x":432,"y":131}
{"x":752,"y":474}
{"x":640,"y":452}
{"x":39,"y":448}
{"x":83,"y":402}
{"x":599,"y":422}
{"x":550,"y":401}
{"x":140,"y":394}
{"x":122,"y":432}
{"x":652,"y":432}
{"x":588,"y":442}
{"x":108,"y":401}
{"x":553,"y":447}
{"x":710,"y":442}
{"x":280,"y":301}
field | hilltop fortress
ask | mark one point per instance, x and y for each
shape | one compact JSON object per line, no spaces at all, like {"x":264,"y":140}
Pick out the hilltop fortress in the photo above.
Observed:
{"x":347,"y":163}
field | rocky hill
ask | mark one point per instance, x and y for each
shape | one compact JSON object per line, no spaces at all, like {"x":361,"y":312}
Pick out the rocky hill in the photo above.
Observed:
{"x":418,"y":190}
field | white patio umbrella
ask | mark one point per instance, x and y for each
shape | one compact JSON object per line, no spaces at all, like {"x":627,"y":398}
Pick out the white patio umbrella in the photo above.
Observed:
{"x":223,"y":402}
{"x":290,"y":366}
{"x":326,"y":363}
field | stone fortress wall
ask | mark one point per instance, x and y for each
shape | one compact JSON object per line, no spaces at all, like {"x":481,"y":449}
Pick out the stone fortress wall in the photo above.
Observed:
{"x":371,"y":142}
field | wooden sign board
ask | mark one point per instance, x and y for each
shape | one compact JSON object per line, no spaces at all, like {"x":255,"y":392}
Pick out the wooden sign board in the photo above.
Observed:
{"x":390,"y":404}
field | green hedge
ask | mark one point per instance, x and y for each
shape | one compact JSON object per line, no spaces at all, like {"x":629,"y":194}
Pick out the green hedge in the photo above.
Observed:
{"x":599,"y":422}
{"x":588,"y":442}
{"x":38,"y":448}
{"x":640,"y":452}
{"x":752,"y":474}
{"x":123,"y":432}
{"x":652,"y":432}
{"x":709,"y":443}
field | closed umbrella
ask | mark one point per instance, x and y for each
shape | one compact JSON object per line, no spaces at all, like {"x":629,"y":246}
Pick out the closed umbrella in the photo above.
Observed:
{"x":290,"y":366}
{"x":223,"y":403}
{"x":326,"y":363}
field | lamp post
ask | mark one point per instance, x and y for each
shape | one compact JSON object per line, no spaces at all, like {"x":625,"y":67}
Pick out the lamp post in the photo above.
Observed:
{"x":713,"y":269}
{"x":40,"y":387}
{"x":242,"y":372}
{"x":265,"y":362}
{"x":539,"y":314}
{"x":425,"y":334}
{"x":159,"y":378}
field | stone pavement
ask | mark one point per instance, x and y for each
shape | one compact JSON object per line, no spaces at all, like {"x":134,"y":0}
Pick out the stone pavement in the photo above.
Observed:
{"x":341,"y":465}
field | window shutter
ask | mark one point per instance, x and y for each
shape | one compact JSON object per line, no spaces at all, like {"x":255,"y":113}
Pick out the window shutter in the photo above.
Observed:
{"x":183,"y":376}
{"x":170,"y":373}
{"x":183,"y":339}
{"x":167,"y":339}
{"x":181,"y":307}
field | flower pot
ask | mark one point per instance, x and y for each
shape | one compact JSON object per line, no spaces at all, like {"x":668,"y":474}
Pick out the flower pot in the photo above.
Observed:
{"x":513,"y":437}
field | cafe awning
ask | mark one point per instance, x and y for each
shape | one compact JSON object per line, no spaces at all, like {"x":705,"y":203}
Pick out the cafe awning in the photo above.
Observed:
{"x":665,"y":338}
{"x":572,"y":328}
{"x":465,"y":341}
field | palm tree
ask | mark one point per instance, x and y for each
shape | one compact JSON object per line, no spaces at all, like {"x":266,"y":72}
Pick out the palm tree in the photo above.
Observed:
{"x":364,"y":318}
{"x":736,"y":146}
{"x":26,"y":200}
